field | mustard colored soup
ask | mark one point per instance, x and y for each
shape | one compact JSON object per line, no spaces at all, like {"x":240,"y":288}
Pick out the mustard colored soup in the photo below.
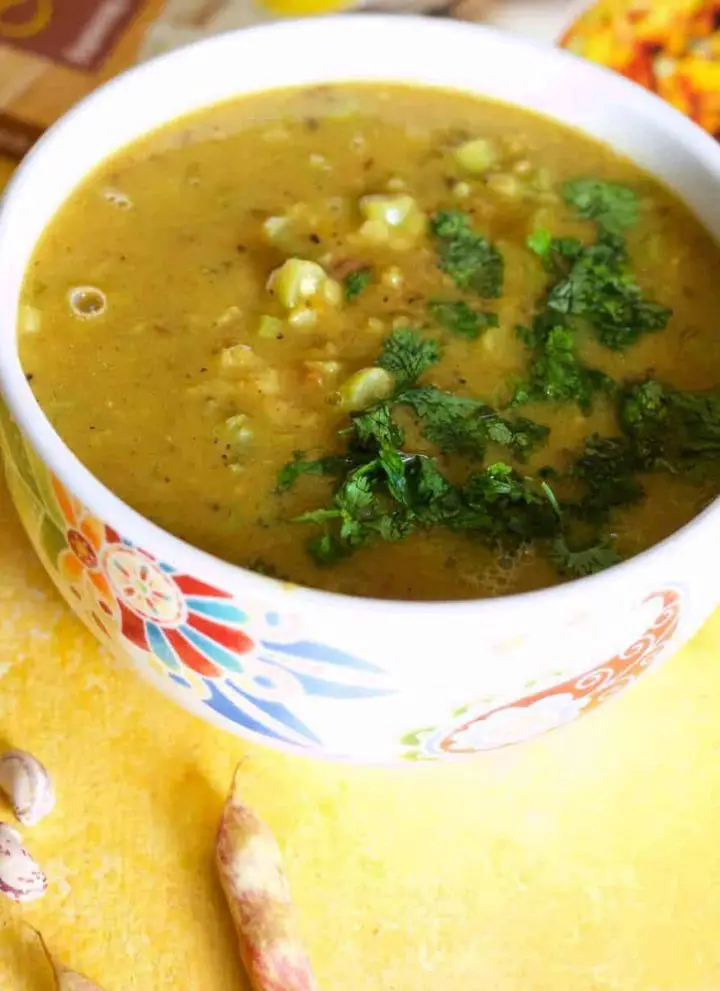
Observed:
{"x":393,"y":290}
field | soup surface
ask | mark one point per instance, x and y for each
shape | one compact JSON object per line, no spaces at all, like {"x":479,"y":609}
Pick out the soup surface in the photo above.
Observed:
{"x":383,"y":340}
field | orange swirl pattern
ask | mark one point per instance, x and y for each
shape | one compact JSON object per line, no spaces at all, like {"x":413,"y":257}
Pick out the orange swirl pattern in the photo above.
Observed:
{"x":592,"y":688}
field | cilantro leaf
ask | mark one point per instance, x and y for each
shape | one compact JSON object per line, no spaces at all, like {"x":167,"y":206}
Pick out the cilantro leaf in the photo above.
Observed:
{"x":465,"y":425}
{"x":503,"y":506}
{"x":461,"y":319}
{"x":374,"y":428}
{"x":607,"y":466}
{"x":600,"y":289}
{"x":669,"y":428}
{"x":372,"y":502}
{"x":540,"y":241}
{"x":289,"y":473}
{"x":435,"y":499}
{"x":470,"y":259}
{"x":557,"y":375}
{"x":613,"y":207}
{"x":557,"y":253}
{"x":588,"y":561}
{"x":325,"y":548}
{"x":407,"y":355}
{"x":356,"y":282}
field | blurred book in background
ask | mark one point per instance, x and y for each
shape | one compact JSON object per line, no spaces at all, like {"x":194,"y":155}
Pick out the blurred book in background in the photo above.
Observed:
{"x":54,"y":52}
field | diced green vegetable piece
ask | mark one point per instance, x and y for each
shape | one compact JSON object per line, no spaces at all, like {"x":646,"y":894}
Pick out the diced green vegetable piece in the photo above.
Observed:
{"x":235,"y":431}
{"x":275,"y":228}
{"x":476,"y":156}
{"x":507,"y":184}
{"x":393,"y":210}
{"x":303,"y":316}
{"x":296,"y":281}
{"x":270,"y":327}
{"x":396,"y":218}
{"x":366,"y":386}
{"x":29,"y":319}
{"x":239,"y":358}
{"x":322,"y":372}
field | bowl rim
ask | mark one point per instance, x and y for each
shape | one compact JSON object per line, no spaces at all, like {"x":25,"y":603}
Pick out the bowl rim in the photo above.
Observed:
{"x":186,"y":557}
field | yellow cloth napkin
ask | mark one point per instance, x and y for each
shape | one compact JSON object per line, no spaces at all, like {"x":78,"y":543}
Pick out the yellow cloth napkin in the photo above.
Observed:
{"x":587,"y":861}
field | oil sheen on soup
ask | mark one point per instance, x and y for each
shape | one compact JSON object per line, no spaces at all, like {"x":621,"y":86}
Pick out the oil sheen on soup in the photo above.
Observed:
{"x":384,"y":341}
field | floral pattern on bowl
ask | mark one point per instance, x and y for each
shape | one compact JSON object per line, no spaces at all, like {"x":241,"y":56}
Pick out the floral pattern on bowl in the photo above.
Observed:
{"x":244,"y":668}
{"x":476,"y":728}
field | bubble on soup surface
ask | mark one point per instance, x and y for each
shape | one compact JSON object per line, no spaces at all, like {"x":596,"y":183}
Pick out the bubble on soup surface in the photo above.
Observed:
{"x":87,"y":302}
{"x":119,"y":199}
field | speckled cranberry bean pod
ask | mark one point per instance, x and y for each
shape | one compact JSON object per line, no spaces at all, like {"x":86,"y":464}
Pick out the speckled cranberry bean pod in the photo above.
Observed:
{"x":252,"y":876}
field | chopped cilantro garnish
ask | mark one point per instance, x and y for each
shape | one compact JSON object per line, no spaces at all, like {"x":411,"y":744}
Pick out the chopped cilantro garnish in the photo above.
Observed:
{"x":460,"y":319}
{"x":356,"y":282}
{"x":607,"y":466}
{"x":540,"y":241}
{"x":372,"y":502}
{"x":558,"y":375}
{"x":470,"y":259}
{"x":668,"y":428}
{"x":465,"y":425}
{"x":613,"y":207}
{"x":504,"y":507}
{"x":289,"y":473}
{"x":600,"y":290}
{"x":374,"y":427}
{"x":588,"y":561}
{"x":593,"y":287}
{"x":385,"y":492}
{"x":407,"y":355}
{"x":557,"y":253}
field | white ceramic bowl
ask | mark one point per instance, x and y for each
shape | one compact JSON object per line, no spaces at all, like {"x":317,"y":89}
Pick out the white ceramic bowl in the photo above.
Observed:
{"x":308,"y":671}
